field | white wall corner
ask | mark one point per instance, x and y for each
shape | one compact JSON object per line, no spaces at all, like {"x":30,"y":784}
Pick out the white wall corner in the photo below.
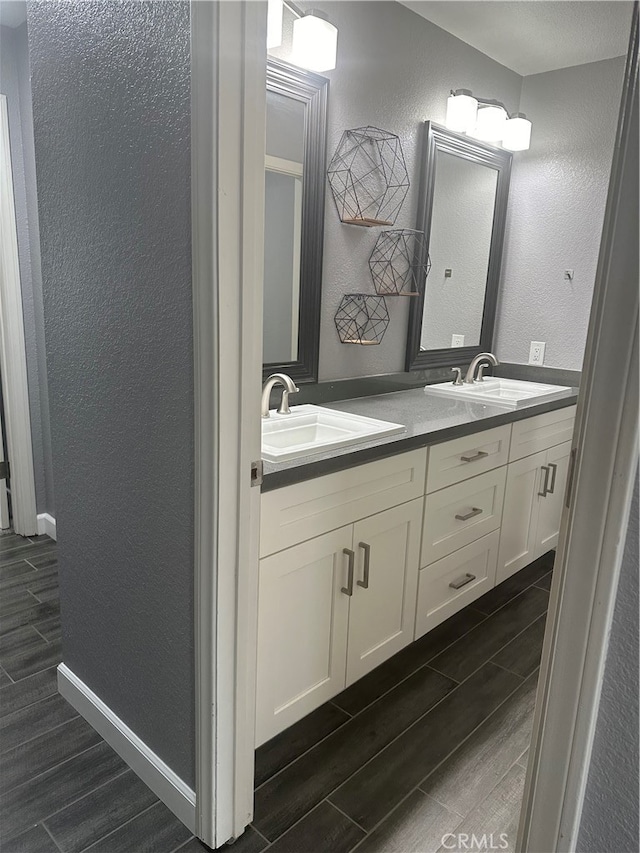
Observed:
{"x":153,"y":771}
{"x":46,"y":525}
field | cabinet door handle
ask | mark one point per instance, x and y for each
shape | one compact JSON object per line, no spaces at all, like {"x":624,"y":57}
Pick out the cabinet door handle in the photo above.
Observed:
{"x":544,"y":491}
{"x":474,"y":458}
{"x":348,"y":589}
{"x":364,"y":583}
{"x":463,"y":581}
{"x":476,"y":510}
{"x":554,"y":471}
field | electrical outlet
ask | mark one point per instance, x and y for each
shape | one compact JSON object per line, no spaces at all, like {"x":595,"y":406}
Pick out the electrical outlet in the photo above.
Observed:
{"x":536,"y":352}
{"x":457,"y":340}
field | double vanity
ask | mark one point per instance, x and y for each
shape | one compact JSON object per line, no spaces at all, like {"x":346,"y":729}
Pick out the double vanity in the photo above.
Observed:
{"x":368,"y":543}
{"x":382,"y":516}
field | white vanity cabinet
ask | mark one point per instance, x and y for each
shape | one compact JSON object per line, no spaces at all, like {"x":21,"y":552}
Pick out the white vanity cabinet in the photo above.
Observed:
{"x":303,"y":618}
{"x":462,"y":517}
{"x":536,"y":484}
{"x":357,"y":564}
{"x":533,"y":508}
{"x":336,"y":605}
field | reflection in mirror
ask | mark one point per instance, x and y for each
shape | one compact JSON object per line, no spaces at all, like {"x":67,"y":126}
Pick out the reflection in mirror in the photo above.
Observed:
{"x":295,"y":155}
{"x":284,"y":170}
{"x":462,"y":208}
{"x":461,"y":223}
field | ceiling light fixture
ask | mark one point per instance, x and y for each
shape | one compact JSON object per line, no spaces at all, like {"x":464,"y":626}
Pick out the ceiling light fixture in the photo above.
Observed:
{"x":487,"y":120}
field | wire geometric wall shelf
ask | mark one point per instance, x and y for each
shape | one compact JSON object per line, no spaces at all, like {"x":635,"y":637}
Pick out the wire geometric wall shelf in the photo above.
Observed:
{"x":400,"y":263}
{"x":362,"y":319}
{"x":368,"y":177}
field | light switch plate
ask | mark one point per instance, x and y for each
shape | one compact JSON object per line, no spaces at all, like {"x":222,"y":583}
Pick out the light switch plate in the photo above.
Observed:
{"x":536,"y":352}
{"x":457,"y":340}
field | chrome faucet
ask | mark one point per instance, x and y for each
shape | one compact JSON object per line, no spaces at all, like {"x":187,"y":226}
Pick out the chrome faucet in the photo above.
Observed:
{"x":476,"y":361}
{"x":289,"y":387}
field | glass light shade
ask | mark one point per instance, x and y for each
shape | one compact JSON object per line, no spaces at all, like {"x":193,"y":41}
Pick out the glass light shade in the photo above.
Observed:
{"x":315,"y":43}
{"x":517,"y":133}
{"x":491,"y":122}
{"x":274,"y":23}
{"x":462,"y":109}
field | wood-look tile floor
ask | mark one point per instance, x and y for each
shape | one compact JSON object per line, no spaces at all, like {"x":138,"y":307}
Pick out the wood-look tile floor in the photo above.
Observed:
{"x":432,"y":742}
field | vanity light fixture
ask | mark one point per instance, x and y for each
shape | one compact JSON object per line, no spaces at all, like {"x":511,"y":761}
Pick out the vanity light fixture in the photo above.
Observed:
{"x":462,"y":109}
{"x":487,"y":120}
{"x":315,"y":39}
{"x":275,"y":10}
{"x":491,"y":122}
{"x":517,"y":133}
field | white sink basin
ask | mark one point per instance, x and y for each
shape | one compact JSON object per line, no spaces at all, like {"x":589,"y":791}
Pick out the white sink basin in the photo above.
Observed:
{"x":510,"y":393}
{"x":309,"y":429}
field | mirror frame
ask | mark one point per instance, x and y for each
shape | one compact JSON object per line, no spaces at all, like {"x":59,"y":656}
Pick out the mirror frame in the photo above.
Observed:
{"x":437,"y":138}
{"x":313,"y":90}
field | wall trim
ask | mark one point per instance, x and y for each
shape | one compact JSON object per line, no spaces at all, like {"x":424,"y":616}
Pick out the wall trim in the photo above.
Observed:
{"x":228,"y":113}
{"x":46,"y":525}
{"x":153,"y":771}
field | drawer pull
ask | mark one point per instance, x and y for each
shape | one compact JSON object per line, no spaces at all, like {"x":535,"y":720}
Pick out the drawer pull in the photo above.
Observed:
{"x":463,"y":581}
{"x":479,"y":455}
{"x":364,"y":583}
{"x":348,"y":589}
{"x":554,"y":471}
{"x":545,"y":490}
{"x":476,"y":510}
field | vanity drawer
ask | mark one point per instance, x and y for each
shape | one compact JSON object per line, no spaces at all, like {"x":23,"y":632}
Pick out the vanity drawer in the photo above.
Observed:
{"x":450,"y":584}
{"x":540,"y":432}
{"x":299,"y":512}
{"x":460,"y":514}
{"x":453,"y":461}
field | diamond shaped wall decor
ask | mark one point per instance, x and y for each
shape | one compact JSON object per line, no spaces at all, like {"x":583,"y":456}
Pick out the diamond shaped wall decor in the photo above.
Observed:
{"x":368,"y":177}
{"x":400,"y":263}
{"x":362,"y":319}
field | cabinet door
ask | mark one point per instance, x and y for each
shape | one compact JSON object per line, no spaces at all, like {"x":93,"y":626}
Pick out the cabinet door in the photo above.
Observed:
{"x":383,"y":605}
{"x":303,"y":618}
{"x":551,"y":505}
{"x":518,"y":540}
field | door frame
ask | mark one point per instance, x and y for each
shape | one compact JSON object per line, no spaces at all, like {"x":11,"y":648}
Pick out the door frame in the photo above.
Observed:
{"x":228,"y":106}
{"x":13,"y":356}
{"x":595,"y":518}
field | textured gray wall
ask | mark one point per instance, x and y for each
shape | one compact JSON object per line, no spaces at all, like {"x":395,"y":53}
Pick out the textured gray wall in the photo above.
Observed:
{"x":111,"y":101}
{"x":16,"y":85}
{"x":395,"y":71}
{"x":556,"y":209}
{"x":610,"y":813}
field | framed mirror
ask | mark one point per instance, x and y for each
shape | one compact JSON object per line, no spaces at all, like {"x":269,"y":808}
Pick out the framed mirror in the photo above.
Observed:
{"x":295,"y":158}
{"x":462,"y":206}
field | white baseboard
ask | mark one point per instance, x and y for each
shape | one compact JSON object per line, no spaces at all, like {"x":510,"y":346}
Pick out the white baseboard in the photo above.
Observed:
{"x":46,"y":524}
{"x":162,"y":780}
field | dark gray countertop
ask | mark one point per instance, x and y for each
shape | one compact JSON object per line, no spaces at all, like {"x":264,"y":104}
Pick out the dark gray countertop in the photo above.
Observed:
{"x":428,"y":420}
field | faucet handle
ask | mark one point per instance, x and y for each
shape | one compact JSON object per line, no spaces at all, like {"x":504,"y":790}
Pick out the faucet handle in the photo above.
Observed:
{"x":481,"y":370}
{"x":458,"y":375}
